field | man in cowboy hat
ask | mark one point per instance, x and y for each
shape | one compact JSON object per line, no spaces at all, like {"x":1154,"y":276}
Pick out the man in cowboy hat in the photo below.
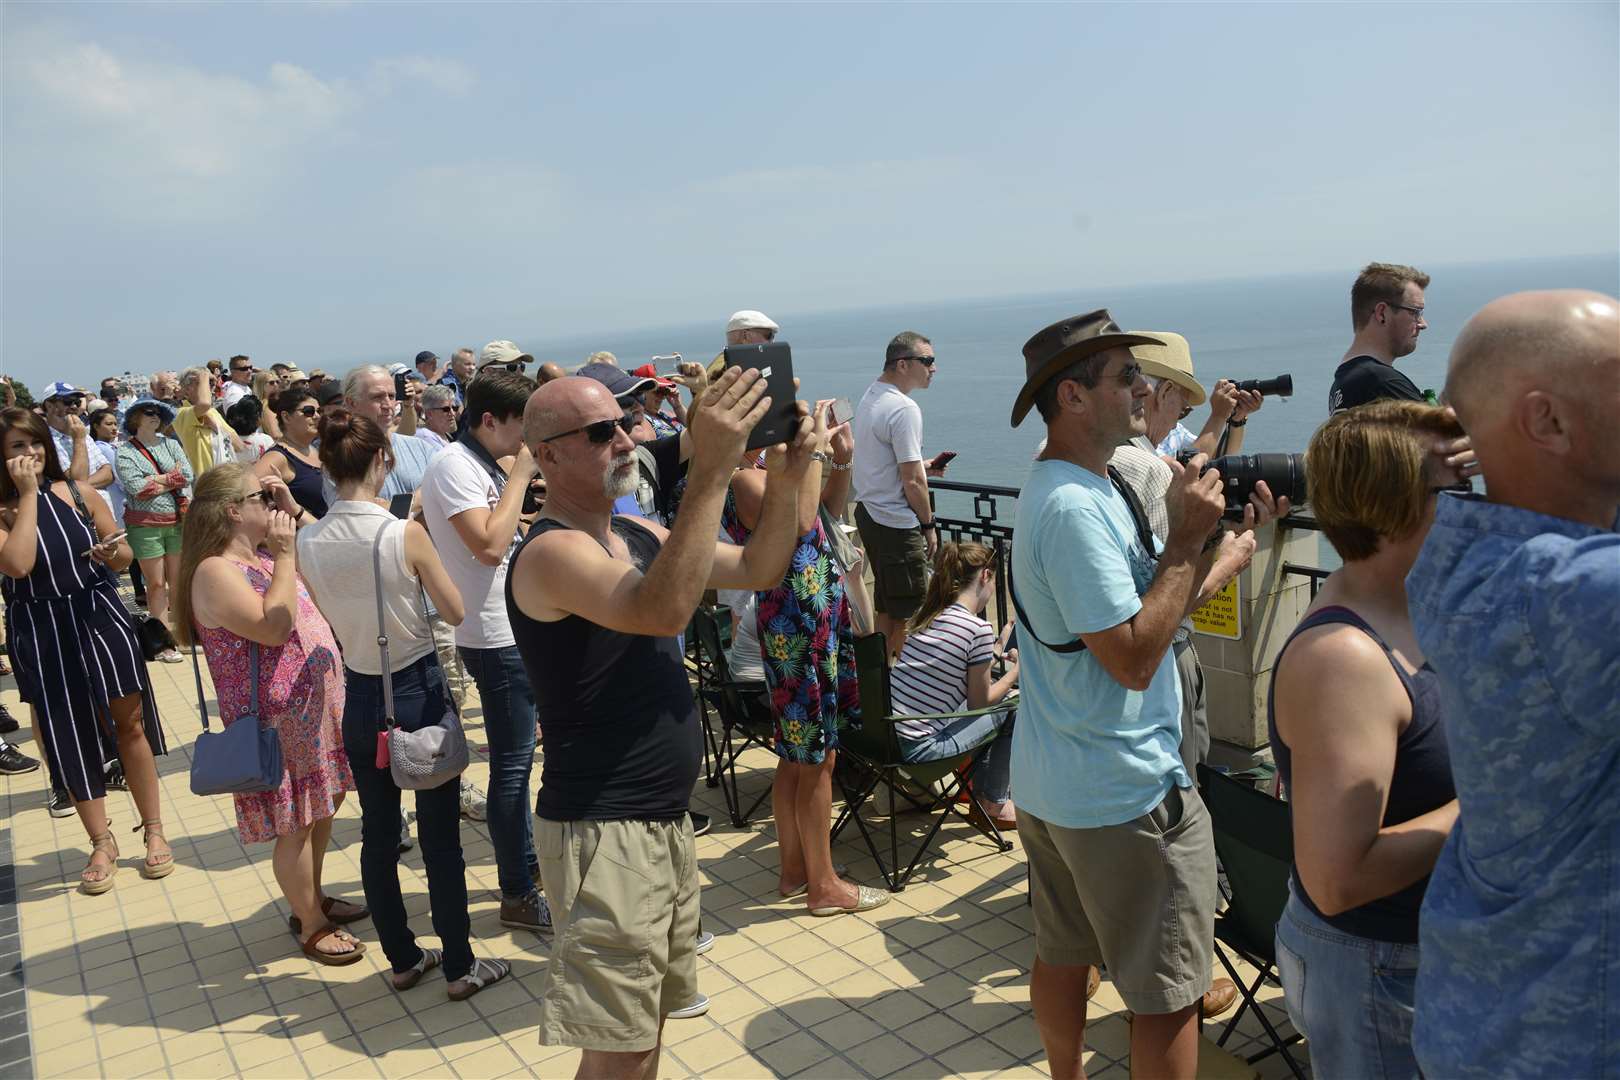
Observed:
{"x":1175,"y":392}
{"x":1098,"y":601}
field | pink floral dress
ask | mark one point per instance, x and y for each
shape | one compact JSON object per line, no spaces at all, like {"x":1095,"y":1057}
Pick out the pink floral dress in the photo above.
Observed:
{"x":301,"y":696}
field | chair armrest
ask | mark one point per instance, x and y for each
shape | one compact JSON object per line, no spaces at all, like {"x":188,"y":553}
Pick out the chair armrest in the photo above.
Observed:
{"x":986,"y":711}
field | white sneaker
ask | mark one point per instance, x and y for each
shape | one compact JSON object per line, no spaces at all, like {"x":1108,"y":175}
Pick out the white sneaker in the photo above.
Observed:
{"x":474,"y":804}
{"x":405,"y":841}
{"x":698,"y":1007}
{"x":705,"y":942}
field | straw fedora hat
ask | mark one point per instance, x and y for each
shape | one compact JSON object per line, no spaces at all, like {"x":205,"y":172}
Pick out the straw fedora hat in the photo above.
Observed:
{"x":1061,"y":344}
{"x":1172,"y":360}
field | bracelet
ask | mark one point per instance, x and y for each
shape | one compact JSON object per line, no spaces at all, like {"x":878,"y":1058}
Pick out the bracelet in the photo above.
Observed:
{"x":927,"y":525}
{"x":1237,"y":423}
{"x":842,"y":466}
{"x":300,"y":515}
{"x":821,"y":456}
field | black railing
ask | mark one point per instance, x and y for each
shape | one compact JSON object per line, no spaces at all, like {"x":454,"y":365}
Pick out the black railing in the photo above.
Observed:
{"x":984,"y":513}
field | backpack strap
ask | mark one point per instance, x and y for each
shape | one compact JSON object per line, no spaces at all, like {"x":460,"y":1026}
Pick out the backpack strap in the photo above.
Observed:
{"x":382,"y":634}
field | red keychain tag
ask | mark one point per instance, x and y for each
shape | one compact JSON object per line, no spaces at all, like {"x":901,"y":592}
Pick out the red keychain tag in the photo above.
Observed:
{"x":382,"y":749}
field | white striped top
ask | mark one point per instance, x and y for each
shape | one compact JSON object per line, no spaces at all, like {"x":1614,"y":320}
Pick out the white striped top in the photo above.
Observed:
{"x":931,"y":674}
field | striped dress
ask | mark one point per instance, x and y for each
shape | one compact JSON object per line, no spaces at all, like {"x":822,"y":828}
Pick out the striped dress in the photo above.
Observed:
{"x":74,"y":650}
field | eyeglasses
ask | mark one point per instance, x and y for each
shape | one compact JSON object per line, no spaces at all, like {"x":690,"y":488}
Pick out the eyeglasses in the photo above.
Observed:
{"x":265,"y":498}
{"x":451,"y":409}
{"x":926,"y":361}
{"x":1186,"y":411}
{"x":1417,"y":312}
{"x":309,"y":411}
{"x":599,"y":432}
{"x":1129,"y":375}
{"x":233,"y":368}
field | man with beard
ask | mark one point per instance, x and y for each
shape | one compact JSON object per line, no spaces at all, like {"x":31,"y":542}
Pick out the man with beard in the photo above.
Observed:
{"x":596,"y":601}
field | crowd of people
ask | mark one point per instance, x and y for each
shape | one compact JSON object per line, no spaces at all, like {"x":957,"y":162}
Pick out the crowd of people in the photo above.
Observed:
{"x":346,"y":555}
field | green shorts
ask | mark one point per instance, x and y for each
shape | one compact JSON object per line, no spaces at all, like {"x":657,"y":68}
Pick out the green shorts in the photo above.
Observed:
{"x":154,"y":541}
{"x":899,"y":562}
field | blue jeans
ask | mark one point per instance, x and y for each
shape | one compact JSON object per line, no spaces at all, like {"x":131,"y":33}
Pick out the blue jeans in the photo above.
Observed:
{"x":509,"y":724}
{"x":420,"y":697}
{"x":992,"y":780}
{"x":1352,"y":997}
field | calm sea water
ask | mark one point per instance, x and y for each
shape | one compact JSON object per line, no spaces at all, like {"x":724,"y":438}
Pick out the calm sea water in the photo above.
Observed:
{"x":1237,"y":329}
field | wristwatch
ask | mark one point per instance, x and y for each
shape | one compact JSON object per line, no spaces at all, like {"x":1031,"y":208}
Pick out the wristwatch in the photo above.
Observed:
{"x":1237,"y":423}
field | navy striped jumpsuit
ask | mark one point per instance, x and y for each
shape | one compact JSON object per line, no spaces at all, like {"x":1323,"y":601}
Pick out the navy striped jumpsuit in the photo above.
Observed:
{"x":74,"y":649}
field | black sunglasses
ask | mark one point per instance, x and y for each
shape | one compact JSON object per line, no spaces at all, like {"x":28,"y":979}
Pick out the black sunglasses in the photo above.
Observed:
{"x":309,"y":411}
{"x":262,"y":495}
{"x":599,"y":432}
{"x":926,"y":361}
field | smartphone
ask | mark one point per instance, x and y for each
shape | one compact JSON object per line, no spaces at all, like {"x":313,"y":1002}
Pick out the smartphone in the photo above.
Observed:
{"x":841,"y":412}
{"x":119,"y":535}
{"x":942,"y":459}
{"x":399,"y":387}
{"x":774,"y":359}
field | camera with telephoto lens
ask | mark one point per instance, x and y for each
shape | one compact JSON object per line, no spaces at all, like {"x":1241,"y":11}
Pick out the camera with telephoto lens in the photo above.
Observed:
{"x":1281,"y":386}
{"x":1284,"y":474}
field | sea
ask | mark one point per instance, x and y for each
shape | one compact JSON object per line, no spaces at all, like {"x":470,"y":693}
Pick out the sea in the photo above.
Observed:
{"x":1239,"y":329}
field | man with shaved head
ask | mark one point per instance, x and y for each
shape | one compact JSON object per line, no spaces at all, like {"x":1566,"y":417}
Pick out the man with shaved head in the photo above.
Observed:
{"x":596,"y":601}
{"x":1514,"y":601}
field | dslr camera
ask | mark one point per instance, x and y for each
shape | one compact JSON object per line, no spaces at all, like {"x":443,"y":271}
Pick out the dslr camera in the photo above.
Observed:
{"x":1284,"y":475}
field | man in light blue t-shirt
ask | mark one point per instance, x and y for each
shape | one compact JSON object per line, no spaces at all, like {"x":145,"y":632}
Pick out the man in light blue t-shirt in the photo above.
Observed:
{"x":1121,"y":854}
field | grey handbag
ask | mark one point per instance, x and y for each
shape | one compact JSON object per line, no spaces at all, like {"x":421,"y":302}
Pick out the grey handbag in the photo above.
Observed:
{"x":243,"y":759}
{"x":433,"y":754}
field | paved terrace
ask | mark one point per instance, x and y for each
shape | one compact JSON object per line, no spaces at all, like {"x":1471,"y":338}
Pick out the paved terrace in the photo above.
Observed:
{"x":197,"y":976}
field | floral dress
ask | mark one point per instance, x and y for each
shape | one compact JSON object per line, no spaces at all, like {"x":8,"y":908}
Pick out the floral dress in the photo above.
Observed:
{"x":808,"y":645}
{"x":301,"y":696}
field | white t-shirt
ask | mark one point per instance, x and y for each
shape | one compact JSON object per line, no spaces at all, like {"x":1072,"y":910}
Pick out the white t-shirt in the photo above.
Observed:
{"x":931,"y":673}
{"x":456,"y":482}
{"x":888,"y":433}
{"x":231,"y":393}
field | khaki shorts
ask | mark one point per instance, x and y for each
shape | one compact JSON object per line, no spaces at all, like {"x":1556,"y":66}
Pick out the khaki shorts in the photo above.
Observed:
{"x":1139,"y":897}
{"x":899,"y":562}
{"x":624,"y":901}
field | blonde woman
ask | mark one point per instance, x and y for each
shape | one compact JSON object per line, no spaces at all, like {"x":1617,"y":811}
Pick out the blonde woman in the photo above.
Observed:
{"x":266,"y":385}
{"x":239,"y":595}
{"x":944,"y":667}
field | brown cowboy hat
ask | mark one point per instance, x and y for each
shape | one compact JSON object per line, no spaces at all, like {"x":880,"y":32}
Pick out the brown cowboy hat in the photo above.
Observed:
{"x":1061,"y":344}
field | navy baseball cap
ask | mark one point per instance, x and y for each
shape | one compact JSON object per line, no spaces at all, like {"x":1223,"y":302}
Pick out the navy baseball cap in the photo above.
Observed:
{"x":619,"y":383}
{"x":427,"y":357}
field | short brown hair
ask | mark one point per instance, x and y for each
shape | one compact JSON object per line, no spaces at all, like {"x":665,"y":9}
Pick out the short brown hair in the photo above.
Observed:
{"x":1381,"y":283}
{"x":349,"y":444}
{"x":502,"y":394}
{"x":1368,"y":472}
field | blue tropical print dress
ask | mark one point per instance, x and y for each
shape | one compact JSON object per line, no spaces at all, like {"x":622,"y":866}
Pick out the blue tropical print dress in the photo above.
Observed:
{"x":808,"y":645}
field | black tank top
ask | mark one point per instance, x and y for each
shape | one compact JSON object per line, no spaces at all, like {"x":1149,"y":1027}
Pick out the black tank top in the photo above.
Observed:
{"x":306,"y":487}
{"x":1421,"y":782}
{"x":618,"y":722}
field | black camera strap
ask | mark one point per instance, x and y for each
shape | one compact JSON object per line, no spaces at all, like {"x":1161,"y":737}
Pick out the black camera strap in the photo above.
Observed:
{"x":1144,"y":535}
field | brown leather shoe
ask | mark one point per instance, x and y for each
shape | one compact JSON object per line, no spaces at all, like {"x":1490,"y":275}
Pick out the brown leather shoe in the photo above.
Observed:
{"x":1219,"y":998}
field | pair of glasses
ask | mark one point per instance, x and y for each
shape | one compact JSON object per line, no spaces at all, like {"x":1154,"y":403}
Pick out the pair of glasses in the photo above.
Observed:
{"x":451,"y":409}
{"x":599,"y":432}
{"x":1186,"y":411}
{"x":1417,"y":312}
{"x":308,"y":411}
{"x":1129,"y":376}
{"x":265,"y":498}
{"x":926,"y":361}
{"x":241,"y":369}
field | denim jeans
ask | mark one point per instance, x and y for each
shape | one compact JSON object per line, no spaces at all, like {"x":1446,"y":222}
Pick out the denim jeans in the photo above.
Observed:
{"x":509,"y":724}
{"x":1352,"y":997}
{"x":420,"y":698}
{"x":992,"y":780}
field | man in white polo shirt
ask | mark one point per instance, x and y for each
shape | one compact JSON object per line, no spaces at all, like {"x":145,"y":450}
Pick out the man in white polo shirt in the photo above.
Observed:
{"x":471,"y":506}
{"x":892,"y":511}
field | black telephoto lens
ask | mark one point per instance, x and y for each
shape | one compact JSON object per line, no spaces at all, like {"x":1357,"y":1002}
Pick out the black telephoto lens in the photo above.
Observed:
{"x":1281,"y":386}
{"x":1284,"y":474}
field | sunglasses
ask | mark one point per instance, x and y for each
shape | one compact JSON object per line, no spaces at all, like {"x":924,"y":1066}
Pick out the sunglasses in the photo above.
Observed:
{"x":451,"y":409}
{"x":308,"y":411}
{"x":926,"y":361}
{"x":241,"y":369}
{"x":265,"y":498}
{"x":599,"y":432}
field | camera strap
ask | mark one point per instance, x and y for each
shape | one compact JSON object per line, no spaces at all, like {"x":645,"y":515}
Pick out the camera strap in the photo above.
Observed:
{"x":1144,"y":536}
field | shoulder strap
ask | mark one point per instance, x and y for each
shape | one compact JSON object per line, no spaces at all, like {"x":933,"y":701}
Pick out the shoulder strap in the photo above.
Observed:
{"x":253,"y":680}
{"x":84,"y":511}
{"x":147,"y":454}
{"x":1012,"y":590}
{"x":382,"y":634}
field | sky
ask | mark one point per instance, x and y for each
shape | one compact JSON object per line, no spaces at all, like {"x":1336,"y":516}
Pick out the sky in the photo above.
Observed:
{"x":338,"y":182}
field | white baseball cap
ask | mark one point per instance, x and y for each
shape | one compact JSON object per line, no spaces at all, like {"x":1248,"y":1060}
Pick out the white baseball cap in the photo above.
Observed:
{"x":750,"y":320}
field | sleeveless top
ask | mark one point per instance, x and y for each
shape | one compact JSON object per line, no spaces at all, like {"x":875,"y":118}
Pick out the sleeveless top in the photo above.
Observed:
{"x":618,"y":722}
{"x":306,"y":487}
{"x":1421,"y":782}
{"x":334,"y":558}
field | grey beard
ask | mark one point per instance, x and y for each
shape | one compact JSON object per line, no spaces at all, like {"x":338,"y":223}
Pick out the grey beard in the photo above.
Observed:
{"x":616,"y":486}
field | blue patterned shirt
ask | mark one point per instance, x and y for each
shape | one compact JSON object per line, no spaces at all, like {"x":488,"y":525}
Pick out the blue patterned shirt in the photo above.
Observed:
{"x":1520,"y":929}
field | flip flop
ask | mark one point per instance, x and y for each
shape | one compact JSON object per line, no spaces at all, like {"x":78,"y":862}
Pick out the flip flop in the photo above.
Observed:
{"x":331,"y":959}
{"x":482,"y":974}
{"x":296,"y":925}
{"x":413,"y":975}
{"x":866,"y":898}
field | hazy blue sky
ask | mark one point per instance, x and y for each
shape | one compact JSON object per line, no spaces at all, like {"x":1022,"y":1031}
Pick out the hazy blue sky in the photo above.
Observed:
{"x":330,"y":182}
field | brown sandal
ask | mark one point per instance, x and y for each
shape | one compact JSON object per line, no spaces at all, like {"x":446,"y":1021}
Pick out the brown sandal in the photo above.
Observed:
{"x":98,"y":845}
{"x":297,"y":927}
{"x":155,"y":866}
{"x":331,"y":959}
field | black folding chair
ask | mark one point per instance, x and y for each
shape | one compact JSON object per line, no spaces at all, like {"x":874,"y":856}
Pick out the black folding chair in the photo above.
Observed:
{"x":1254,"y":840}
{"x":875,"y":749}
{"x":742,"y":710}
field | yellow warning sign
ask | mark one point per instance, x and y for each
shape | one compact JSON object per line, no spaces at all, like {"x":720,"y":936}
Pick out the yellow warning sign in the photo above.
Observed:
{"x":1219,"y":616}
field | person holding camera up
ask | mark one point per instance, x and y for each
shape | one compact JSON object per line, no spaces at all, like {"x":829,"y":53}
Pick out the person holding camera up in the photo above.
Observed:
{"x":1176,"y":392}
{"x":1098,"y":603}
